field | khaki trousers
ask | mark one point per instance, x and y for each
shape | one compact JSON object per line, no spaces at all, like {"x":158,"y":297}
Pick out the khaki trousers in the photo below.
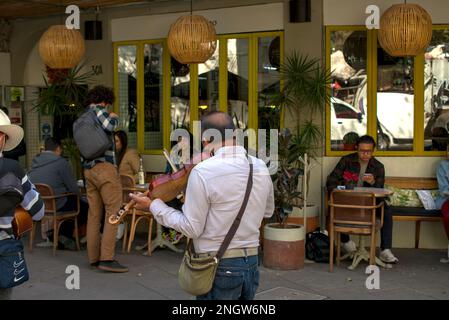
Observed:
{"x":104,"y":193}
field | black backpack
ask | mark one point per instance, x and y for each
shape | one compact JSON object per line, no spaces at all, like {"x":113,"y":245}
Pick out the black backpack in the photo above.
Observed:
{"x":90,"y":137}
{"x":317,"y":246}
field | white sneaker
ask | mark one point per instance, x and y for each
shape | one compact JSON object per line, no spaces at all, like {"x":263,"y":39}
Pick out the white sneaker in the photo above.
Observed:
{"x":349,"y":247}
{"x":387,"y":256}
{"x":120,"y":231}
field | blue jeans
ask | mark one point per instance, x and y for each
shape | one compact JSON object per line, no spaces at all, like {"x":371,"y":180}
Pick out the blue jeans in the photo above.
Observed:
{"x":236,"y":279}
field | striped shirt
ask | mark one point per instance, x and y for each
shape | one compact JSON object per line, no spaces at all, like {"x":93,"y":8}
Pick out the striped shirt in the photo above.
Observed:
{"x":31,"y":202}
{"x":109,"y":124}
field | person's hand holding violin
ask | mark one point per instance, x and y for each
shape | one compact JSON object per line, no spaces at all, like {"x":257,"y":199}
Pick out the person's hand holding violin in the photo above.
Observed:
{"x":142,"y":201}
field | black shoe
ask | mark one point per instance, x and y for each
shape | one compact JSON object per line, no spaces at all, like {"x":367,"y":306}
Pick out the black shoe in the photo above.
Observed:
{"x":94,"y":265}
{"x":112,"y":266}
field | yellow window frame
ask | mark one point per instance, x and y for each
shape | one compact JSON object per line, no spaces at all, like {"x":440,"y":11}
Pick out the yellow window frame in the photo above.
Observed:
{"x":418,"y":117}
{"x":194,"y":99}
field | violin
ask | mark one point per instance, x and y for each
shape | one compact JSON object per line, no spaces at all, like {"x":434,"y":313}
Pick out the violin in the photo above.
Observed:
{"x":165,"y":187}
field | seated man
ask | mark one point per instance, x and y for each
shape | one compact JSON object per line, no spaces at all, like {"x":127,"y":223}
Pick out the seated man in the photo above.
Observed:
{"x":371,"y":173}
{"x":50,"y":168}
{"x":442,"y":202}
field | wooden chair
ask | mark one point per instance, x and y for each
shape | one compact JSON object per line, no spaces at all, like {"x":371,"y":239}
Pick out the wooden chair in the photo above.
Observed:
{"x":128,"y":186}
{"x":354,"y":213}
{"x":58,"y":217}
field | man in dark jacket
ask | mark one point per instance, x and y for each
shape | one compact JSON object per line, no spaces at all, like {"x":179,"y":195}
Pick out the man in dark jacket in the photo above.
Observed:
{"x":50,"y":168}
{"x":369,"y":172}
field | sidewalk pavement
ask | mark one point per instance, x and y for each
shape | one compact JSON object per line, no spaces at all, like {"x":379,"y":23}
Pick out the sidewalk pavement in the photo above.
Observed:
{"x":419,"y":275}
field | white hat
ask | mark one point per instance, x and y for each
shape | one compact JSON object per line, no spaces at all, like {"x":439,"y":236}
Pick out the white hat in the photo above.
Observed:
{"x":13,"y":132}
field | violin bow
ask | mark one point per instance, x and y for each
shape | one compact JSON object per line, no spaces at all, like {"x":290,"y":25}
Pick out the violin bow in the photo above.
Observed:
{"x":172,"y":165}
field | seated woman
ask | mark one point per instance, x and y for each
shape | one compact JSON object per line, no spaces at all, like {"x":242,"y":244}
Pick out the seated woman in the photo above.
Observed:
{"x":128,"y":162}
{"x":128,"y":159}
{"x":442,"y":202}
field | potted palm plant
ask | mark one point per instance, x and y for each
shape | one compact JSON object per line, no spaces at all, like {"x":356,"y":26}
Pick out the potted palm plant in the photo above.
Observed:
{"x":62,"y":99}
{"x":303,"y":96}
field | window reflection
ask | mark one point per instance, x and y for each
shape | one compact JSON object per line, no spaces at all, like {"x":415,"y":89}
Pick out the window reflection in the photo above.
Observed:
{"x":208,"y":76}
{"x":395,"y":102}
{"x":180,"y":95}
{"x":238,"y":81}
{"x":268,"y":82}
{"x":127,"y":88}
{"x":348,"y":105}
{"x":153,"y":106}
{"x":436,"y":92}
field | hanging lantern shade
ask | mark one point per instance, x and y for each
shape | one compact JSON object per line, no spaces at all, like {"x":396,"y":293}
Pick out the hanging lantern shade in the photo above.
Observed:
{"x":405,"y":30}
{"x":192,"y":39}
{"x":61,"y":48}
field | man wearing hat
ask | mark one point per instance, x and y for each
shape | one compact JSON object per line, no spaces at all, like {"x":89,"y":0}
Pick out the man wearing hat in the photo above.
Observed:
{"x":10,"y":137}
{"x":18,"y":151}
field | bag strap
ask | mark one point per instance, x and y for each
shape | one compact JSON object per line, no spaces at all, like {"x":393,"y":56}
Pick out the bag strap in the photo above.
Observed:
{"x":238,"y":219}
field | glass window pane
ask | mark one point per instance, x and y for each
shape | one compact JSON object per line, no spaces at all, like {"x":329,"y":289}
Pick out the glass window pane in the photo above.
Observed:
{"x":180,"y":95}
{"x":395,"y":102}
{"x":436,"y":92}
{"x":153,"y":91}
{"x":238,"y":81}
{"x":349,"y":112}
{"x":208,"y":76}
{"x":127,"y":92}
{"x":269,"y":49}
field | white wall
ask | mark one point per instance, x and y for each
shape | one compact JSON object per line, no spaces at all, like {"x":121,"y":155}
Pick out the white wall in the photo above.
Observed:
{"x":229,"y":20}
{"x":352,"y":12}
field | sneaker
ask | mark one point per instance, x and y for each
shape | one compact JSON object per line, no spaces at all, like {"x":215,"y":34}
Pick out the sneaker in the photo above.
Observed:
{"x":83,"y":240}
{"x":94,"y":265}
{"x":112,"y":266}
{"x":120,"y":231}
{"x":387,"y":256}
{"x":349,"y":247}
{"x":45,"y":244}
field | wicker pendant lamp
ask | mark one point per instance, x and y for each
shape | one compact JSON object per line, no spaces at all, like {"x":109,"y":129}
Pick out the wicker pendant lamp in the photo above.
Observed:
{"x":405,"y":30}
{"x":61,"y":48}
{"x":192,"y":39}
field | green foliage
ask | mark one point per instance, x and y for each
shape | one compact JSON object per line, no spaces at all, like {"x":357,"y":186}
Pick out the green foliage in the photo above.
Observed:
{"x":305,"y":93}
{"x":285,"y":180}
{"x":65,"y":97}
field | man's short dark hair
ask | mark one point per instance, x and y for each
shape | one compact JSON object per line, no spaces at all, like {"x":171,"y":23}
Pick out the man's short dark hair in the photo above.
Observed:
{"x":366,"y":139}
{"x":100,"y":94}
{"x":51,"y":144}
{"x":217,"y":120}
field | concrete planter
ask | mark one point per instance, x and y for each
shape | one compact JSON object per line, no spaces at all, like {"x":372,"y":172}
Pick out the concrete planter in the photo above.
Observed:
{"x":297,"y":217}
{"x":283,"y":248}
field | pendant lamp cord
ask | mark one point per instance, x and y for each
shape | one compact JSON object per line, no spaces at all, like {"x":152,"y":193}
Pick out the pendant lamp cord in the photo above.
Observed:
{"x":191,"y":7}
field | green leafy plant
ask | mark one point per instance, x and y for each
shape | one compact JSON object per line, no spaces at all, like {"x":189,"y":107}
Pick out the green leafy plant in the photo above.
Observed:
{"x":304,"y":95}
{"x":285,"y":180}
{"x":65,"y":95}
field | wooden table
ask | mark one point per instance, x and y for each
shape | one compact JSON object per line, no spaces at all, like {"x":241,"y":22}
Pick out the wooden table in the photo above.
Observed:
{"x":361,"y":253}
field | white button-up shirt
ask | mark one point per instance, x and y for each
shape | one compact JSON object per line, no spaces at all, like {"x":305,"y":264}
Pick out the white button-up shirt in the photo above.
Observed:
{"x":213,"y":198}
